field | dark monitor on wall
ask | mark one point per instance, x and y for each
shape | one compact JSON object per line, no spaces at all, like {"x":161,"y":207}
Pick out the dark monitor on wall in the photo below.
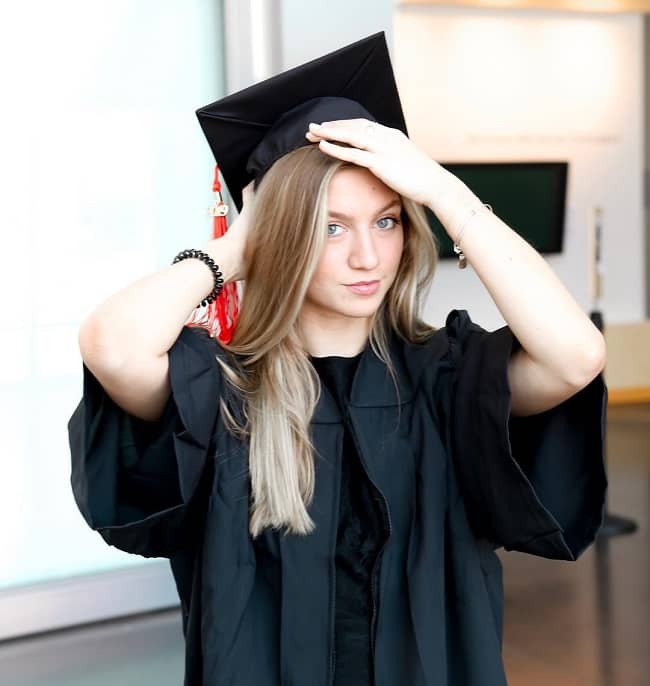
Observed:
{"x":528,"y":196}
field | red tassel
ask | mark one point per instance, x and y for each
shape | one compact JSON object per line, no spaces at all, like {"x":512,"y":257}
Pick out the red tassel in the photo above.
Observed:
{"x":220,"y":316}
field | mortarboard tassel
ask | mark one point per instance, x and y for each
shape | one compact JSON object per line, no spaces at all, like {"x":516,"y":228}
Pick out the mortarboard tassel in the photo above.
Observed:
{"x":219,"y":317}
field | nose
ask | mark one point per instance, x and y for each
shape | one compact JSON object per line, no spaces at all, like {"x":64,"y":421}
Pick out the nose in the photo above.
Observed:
{"x":363,"y":254}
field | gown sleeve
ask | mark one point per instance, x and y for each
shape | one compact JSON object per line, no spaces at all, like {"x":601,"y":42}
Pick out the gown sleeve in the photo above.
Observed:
{"x":534,"y":484}
{"x":139,"y":484}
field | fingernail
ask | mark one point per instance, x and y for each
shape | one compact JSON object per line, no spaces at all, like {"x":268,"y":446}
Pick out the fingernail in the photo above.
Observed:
{"x":313,"y":125}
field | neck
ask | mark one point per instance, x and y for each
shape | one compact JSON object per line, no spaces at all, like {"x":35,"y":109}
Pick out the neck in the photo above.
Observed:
{"x":345,"y":337}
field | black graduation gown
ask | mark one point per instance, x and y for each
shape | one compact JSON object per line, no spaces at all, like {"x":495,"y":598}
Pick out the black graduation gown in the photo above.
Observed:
{"x":362,"y":531}
{"x":459,"y":474}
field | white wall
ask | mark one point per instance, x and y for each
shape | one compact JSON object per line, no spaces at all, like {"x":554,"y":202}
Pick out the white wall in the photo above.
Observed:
{"x":105,"y":176}
{"x":515,"y":85}
{"x":496,"y":85}
{"x":646,"y":146}
{"x":311,"y":28}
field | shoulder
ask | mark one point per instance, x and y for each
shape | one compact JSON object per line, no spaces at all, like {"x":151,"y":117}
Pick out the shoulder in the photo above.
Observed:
{"x":199,"y":341}
{"x":431,"y":340}
{"x":420,"y":357}
{"x":459,"y":325}
{"x":441,"y":348}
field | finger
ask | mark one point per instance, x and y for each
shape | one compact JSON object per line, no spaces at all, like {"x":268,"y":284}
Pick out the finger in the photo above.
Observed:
{"x":346,"y":122}
{"x":342,"y":124}
{"x":360,"y":125}
{"x":354,"y":155}
{"x":314,"y":137}
{"x":355,"y":137}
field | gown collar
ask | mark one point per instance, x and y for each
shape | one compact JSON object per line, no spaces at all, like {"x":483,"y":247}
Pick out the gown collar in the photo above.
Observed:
{"x":372,"y":384}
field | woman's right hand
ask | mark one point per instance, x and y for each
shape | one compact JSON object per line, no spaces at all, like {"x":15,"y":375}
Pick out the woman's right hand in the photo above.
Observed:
{"x":237,"y":235}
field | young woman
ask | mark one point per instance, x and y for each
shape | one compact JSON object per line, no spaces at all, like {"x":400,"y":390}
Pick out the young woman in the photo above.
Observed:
{"x":330,"y":486}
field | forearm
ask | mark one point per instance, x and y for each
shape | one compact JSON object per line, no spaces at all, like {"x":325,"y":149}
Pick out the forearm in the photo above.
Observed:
{"x":144,"y":318}
{"x":539,"y":310}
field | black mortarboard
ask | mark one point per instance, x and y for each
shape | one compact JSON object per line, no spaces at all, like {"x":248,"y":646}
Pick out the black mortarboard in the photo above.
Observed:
{"x":249,"y":130}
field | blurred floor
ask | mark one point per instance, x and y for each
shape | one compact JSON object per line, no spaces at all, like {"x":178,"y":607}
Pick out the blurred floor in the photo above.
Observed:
{"x":141,"y":651}
{"x":587,"y":623}
{"x":584,"y":623}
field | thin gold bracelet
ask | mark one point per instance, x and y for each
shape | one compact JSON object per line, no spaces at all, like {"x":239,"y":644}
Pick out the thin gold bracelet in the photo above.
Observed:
{"x":462,"y":260}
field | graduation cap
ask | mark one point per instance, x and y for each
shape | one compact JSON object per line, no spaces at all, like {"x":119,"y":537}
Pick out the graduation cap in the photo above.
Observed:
{"x":249,"y":130}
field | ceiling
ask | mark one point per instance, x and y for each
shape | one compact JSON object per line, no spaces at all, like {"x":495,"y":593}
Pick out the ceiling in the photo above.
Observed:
{"x":564,"y":5}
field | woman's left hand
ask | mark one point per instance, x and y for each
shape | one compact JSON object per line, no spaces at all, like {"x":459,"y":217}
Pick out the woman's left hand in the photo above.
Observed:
{"x":388,"y":153}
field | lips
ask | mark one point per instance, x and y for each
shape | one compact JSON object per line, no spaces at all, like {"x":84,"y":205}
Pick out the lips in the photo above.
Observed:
{"x":364,"y":287}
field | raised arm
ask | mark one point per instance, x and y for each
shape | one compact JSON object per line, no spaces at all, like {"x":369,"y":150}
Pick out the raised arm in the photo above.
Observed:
{"x":562,"y":350}
{"x":124,"y":341}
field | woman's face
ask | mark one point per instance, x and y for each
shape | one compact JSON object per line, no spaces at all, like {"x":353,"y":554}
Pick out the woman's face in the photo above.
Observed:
{"x":364,"y":244}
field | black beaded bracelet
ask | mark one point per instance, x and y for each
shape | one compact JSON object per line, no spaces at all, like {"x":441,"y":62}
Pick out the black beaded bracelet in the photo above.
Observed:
{"x":214,"y":267}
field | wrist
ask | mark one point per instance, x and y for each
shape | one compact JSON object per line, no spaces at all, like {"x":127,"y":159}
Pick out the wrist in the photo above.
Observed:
{"x":228,"y":254}
{"x":452,"y":201}
{"x":441,"y":185}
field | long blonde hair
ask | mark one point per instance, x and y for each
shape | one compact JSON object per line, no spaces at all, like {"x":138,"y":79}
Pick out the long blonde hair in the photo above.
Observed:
{"x":273,"y":374}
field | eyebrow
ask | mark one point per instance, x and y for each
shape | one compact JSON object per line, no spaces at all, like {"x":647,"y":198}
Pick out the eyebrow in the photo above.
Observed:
{"x":342,"y":215}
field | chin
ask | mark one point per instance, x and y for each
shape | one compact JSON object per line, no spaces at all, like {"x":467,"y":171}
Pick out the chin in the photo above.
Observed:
{"x":365,"y":309}
{"x":361,"y":311}
{"x":349,"y":305}
{"x":358,"y":314}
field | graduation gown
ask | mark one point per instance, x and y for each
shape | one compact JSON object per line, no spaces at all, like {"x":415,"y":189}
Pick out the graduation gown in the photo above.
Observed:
{"x":362,"y":533}
{"x":460,"y":477}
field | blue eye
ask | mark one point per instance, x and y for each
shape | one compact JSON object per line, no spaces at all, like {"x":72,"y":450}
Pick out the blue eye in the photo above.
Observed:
{"x":329,"y":226}
{"x":394,"y":221}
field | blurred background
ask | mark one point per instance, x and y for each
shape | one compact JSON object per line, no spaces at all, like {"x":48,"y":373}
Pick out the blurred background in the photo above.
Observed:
{"x":105,"y":176}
